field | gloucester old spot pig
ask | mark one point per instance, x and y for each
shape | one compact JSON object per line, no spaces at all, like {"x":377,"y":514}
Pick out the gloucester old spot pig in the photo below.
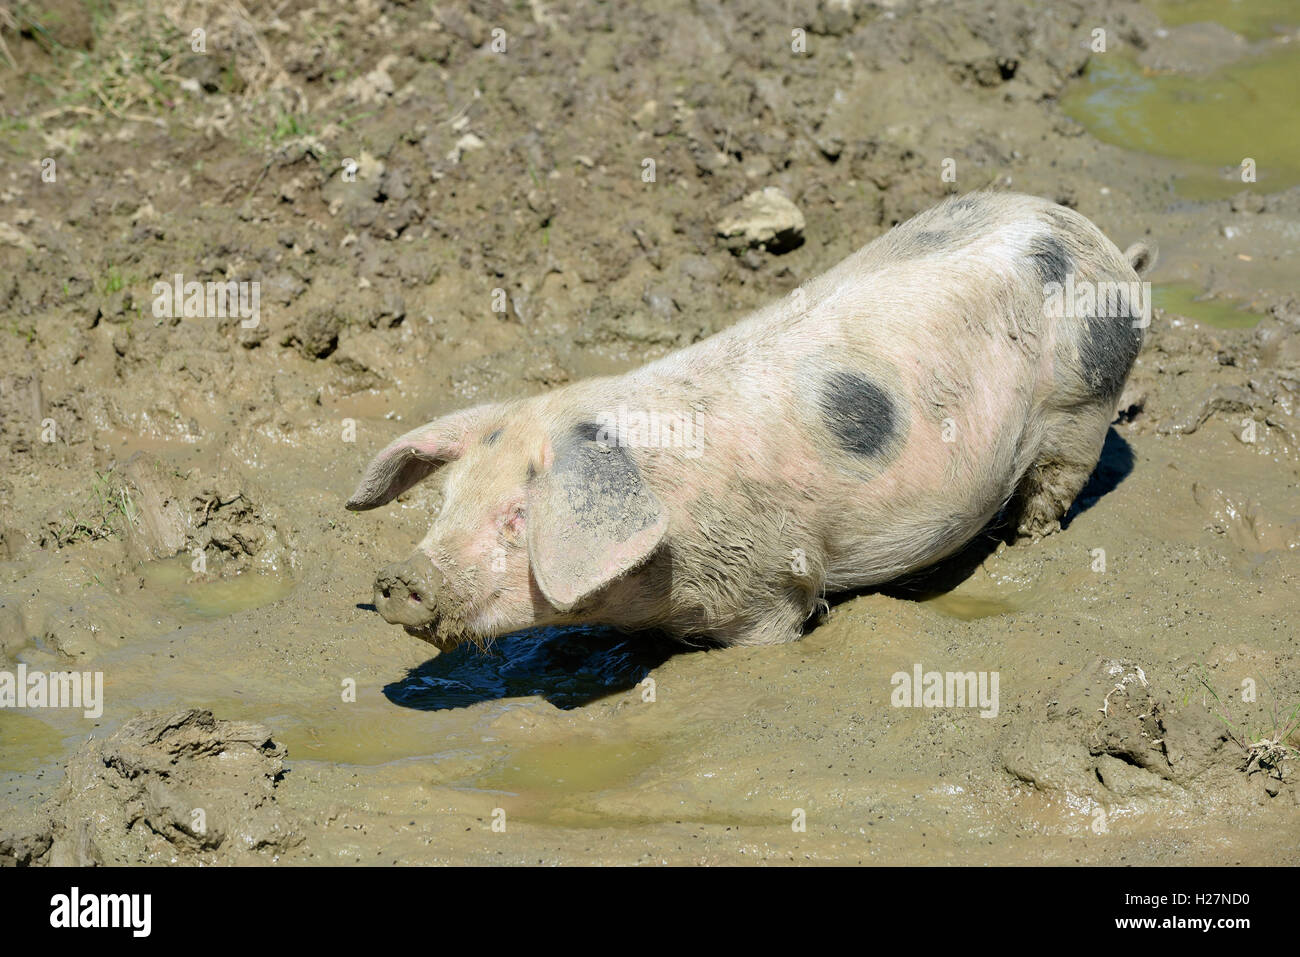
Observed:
{"x":865,"y":426}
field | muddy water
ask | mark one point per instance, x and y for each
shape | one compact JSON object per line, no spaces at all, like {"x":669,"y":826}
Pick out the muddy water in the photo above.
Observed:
{"x":1254,"y":20}
{"x":27,"y":742}
{"x":584,"y":745}
{"x":1187,"y":300}
{"x":178,"y":592}
{"x":1210,"y":123}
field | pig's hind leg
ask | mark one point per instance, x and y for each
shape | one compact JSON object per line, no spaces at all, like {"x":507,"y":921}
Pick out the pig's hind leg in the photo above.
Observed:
{"x":1070,"y":448}
{"x":1093,"y":362}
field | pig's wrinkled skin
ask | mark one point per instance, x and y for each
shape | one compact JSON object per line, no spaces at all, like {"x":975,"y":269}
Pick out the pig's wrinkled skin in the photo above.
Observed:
{"x":863,"y":427}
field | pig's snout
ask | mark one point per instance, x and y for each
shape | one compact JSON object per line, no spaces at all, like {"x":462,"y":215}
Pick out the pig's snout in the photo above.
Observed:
{"x":406,"y":593}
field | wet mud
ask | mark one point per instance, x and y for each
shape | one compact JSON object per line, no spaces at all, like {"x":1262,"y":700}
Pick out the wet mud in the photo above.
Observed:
{"x":433,"y":222}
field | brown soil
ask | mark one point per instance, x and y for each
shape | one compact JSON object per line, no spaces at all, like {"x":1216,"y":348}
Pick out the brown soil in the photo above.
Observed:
{"x":171,"y":489}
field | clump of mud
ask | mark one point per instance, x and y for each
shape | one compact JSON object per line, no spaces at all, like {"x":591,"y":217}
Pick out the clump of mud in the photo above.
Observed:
{"x":1248,"y":379}
{"x":1113,"y":733}
{"x":1108,"y":731}
{"x":166,"y":788}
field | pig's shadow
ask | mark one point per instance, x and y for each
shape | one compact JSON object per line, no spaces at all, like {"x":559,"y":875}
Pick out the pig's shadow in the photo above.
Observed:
{"x":1114,"y":465}
{"x":569,"y":667}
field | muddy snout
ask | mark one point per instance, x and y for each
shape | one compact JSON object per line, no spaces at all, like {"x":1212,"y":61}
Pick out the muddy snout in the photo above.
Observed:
{"x":406,"y":593}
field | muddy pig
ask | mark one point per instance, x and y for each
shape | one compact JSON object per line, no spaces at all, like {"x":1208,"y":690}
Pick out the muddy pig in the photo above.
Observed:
{"x":867,"y":425}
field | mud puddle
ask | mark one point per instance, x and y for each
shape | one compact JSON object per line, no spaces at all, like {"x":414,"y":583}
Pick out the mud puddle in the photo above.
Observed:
{"x":27,"y":742}
{"x":563,"y":783}
{"x":970,"y":607}
{"x":1187,"y":300}
{"x":1255,"y":20}
{"x":1213,"y":121}
{"x":176,"y":588}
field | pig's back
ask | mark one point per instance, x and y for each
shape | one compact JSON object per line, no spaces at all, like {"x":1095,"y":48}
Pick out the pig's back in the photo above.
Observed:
{"x":897,"y":399}
{"x":943,"y":368}
{"x":922,"y":370}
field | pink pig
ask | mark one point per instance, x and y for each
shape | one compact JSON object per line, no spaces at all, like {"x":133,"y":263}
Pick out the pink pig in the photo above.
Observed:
{"x":866,"y":426}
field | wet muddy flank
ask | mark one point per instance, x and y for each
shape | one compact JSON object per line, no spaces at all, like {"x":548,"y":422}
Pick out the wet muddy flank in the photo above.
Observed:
{"x":172,"y":487}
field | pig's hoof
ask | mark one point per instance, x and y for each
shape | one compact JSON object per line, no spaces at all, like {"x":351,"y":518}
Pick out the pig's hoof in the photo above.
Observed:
{"x":1048,"y":489}
{"x":1037,"y":530}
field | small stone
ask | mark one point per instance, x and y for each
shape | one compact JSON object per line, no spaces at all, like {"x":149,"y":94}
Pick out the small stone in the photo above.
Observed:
{"x":465,"y":144}
{"x":766,"y":219}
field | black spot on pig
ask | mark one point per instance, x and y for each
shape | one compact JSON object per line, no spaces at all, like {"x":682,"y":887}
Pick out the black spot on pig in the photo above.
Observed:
{"x":491,"y":437}
{"x":602,"y":484}
{"x":931,"y":240}
{"x":859,"y":413}
{"x":1050,"y":260}
{"x":1108,"y":344}
{"x":595,"y":432}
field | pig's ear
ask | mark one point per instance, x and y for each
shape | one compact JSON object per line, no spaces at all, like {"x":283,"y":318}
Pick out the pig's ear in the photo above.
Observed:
{"x":414,"y":457}
{"x":590,"y":519}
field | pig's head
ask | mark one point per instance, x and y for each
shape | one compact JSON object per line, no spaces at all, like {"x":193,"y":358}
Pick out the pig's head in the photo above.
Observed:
{"x":539,"y":516}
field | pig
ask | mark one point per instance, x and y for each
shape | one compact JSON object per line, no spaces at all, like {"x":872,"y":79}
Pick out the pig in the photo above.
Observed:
{"x":863,"y":427}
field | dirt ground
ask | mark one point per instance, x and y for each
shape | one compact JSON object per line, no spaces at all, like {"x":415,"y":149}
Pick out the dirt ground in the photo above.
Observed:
{"x":456,"y":202}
